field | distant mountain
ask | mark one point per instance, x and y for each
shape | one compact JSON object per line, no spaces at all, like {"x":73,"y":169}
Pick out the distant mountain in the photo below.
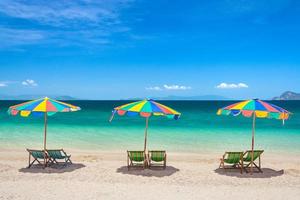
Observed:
{"x":65,"y":98}
{"x":29,"y":97}
{"x":288,"y":96}
{"x":171,"y":97}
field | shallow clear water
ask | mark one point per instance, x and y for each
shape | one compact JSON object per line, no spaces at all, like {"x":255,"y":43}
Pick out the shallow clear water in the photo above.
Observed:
{"x":198,"y":130}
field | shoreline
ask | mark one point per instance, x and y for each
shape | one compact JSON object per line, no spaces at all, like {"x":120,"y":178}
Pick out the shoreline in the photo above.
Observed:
{"x":199,"y":152}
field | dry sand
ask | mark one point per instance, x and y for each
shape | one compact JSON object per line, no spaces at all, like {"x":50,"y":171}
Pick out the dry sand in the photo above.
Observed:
{"x":104,"y":175}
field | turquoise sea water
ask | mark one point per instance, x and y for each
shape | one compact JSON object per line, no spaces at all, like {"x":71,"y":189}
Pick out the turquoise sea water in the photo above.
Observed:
{"x":198,"y":130}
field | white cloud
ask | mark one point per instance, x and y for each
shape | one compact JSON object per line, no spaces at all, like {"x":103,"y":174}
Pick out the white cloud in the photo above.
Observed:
{"x":169,"y":87}
{"x":3,"y":85}
{"x":66,"y":13}
{"x":69,"y":23}
{"x":157,"y":88}
{"x":231,"y":86}
{"x":6,"y":83}
{"x":12,"y":36}
{"x":177,"y":87}
{"x":29,"y":82}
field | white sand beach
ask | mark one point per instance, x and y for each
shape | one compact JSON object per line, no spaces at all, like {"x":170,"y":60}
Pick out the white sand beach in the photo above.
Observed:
{"x":104,"y":175}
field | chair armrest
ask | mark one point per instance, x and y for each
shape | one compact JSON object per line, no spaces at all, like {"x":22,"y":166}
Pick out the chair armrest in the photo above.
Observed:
{"x":224,"y":155}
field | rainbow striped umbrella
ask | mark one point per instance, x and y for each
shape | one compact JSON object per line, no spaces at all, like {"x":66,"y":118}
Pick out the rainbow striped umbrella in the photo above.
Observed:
{"x":146,"y":108}
{"x":257,"y":109}
{"x":41,"y":107}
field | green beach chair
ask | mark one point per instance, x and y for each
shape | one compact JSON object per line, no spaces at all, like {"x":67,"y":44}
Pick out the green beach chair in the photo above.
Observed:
{"x":157,"y":158}
{"x":234,"y":159}
{"x":136,"y":159}
{"x":247,"y":159}
{"x":38,"y":156}
{"x":58,"y":154}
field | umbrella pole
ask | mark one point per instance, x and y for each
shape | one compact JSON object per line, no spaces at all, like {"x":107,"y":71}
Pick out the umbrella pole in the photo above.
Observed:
{"x":252,"y":146}
{"x":145,"y":142}
{"x":45,"y":130}
{"x":45,"y":137}
{"x":146,"y":130}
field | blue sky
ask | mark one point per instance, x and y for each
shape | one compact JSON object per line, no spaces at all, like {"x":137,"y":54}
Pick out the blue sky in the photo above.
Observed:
{"x":112,"y":49}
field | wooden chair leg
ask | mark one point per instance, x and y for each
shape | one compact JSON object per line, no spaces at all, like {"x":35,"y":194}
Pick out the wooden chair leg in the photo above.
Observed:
{"x":130,"y":164}
{"x":220,"y":163}
{"x":30,"y":164}
{"x":247,"y":166}
{"x":149,"y":163}
{"x":50,"y":161}
{"x":38,"y":161}
{"x":67,"y":159}
{"x":127,"y":162}
{"x":259,"y":160}
{"x":241,"y":167}
{"x":45,"y":163}
{"x":257,"y":167}
{"x":29,"y":161}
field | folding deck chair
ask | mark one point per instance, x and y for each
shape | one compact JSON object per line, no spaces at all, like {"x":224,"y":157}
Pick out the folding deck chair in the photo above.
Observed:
{"x":136,"y":159}
{"x":38,"y":156}
{"x":247,"y":159}
{"x":157,"y":158}
{"x":58,"y":154}
{"x":234,"y":159}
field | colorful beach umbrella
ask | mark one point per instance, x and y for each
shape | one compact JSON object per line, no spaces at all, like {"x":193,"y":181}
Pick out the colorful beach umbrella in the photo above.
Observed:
{"x":255,"y":108}
{"x":146,"y":108}
{"x":41,"y":107}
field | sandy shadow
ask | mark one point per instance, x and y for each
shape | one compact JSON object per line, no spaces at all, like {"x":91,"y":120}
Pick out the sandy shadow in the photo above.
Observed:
{"x":56,"y":168}
{"x":267,"y":173}
{"x":152,"y":172}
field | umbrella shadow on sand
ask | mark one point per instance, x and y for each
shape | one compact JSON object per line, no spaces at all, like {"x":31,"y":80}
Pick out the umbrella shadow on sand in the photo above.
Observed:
{"x":152,"y":172}
{"x":54,"y":169}
{"x":267,"y":173}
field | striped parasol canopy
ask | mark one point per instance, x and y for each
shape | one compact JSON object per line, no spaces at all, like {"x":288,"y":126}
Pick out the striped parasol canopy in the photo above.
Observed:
{"x":260,"y":108}
{"x":146,"y":108}
{"x":255,"y":108}
{"x":40,"y":106}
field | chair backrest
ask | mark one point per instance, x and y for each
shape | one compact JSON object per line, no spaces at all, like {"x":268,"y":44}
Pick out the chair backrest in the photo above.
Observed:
{"x":55,"y":153}
{"x":256,"y":154}
{"x":137,"y":156}
{"x":233,"y":157}
{"x":157,"y":156}
{"x":37,"y":153}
